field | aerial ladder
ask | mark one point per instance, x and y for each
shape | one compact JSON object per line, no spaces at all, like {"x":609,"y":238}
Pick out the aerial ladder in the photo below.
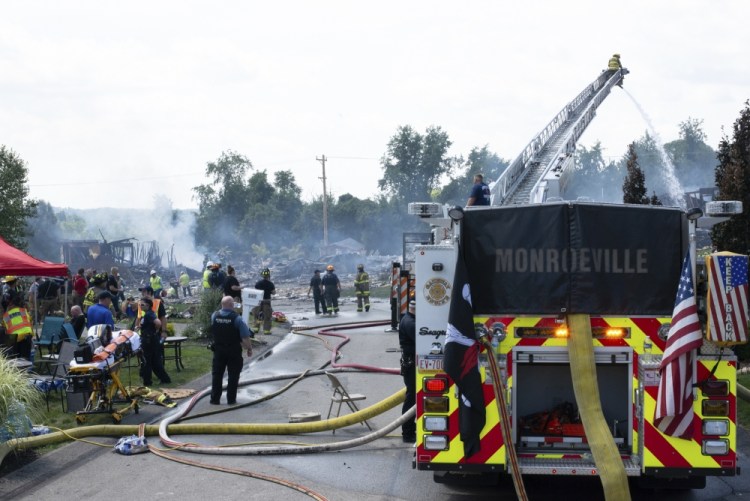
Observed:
{"x":539,"y":173}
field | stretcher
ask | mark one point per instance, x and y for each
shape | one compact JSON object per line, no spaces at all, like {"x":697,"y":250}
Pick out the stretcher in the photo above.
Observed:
{"x":100,"y":378}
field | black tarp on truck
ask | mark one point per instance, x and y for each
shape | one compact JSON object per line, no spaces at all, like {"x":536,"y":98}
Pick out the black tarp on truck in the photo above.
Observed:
{"x":574,"y":258}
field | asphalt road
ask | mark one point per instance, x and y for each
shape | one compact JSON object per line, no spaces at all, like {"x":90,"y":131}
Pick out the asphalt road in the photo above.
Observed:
{"x":380,"y":470}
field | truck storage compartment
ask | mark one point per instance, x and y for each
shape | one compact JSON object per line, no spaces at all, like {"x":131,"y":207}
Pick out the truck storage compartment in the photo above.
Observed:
{"x":544,"y":408}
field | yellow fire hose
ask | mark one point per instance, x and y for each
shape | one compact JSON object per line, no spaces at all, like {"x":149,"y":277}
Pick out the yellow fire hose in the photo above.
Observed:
{"x":206,"y":428}
{"x":583,"y":370}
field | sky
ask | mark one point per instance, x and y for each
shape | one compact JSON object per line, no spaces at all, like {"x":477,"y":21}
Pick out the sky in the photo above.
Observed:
{"x":122,"y":104}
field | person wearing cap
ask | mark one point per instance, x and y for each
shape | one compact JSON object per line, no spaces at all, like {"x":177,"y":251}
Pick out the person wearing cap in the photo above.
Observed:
{"x":264,"y":309}
{"x":16,"y":320}
{"x":155,"y":282}
{"x":10,"y":291}
{"x":229,"y":334}
{"x":100,"y":313}
{"x":207,"y":273}
{"x":185,"y":284}
{"x":99,"y":284}
{"x":217,"y":277}
{"x":362,"y":288}
{"x":332,"y":289}
{"x":150,"y":329}
{"x":407,"y":338}
{"x":157,"y":306}
{"x":316,"y":287}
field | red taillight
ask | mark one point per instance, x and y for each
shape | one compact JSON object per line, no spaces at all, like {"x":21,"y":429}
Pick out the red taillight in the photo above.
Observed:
{"x":435,"y":385}
{"x":715,"y":388}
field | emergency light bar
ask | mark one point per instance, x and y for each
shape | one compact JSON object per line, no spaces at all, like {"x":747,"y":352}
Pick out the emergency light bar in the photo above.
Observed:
{"x":425,"y":209}
{"x":723,"y":208}
{"x":562,"y":332}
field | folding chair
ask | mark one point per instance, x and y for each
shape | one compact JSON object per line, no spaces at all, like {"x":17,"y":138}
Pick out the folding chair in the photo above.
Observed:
{"x":341,"y":396}
{"x":50,"y":334}
{"x":55,"y":381}
{"x":68,"y":333}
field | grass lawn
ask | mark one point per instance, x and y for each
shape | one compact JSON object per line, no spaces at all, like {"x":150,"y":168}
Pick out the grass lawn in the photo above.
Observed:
{"x":743,"y":408}
{"x":195,"y":356}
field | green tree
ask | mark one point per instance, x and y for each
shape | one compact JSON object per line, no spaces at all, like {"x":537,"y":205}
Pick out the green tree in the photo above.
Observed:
{"x":694,"y":160}
{"x":634,"y":186}
{"x":44,"y":242}
{"x":16,"y":207}
{"x":222,"y":202}
{"x":733,"y":181}
{"x":414,"y":164}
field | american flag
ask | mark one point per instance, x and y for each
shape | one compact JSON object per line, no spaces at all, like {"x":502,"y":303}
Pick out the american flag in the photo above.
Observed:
{"x":727,"y":322}
{"x":674,"y":405}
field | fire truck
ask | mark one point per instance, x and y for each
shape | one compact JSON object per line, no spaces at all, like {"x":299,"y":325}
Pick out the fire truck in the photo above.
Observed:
{"x":535,"y":261}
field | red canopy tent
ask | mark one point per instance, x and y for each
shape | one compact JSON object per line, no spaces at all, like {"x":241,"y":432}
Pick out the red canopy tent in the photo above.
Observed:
{"x":16,"y":262}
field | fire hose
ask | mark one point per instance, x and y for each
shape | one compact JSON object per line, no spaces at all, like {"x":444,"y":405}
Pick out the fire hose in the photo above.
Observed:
{"x":583,"y":371}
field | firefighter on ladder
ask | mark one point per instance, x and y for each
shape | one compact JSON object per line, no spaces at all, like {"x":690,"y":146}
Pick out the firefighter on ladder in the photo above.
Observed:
{"x":264,"y":308}
{"x":362,"y":288}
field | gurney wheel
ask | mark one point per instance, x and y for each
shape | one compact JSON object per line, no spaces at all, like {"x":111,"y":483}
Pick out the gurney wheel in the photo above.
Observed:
{"x":136,"y":408}
{"x":80,"y":419}
{"x":116,"y":418}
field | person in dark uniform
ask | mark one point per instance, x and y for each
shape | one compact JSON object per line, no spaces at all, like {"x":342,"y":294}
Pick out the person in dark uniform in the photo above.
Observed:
{"x":407,"y":329}
{"x":332,"y":289}
{"x":149,"y":328}
{"x":264,"y":308}
{"x":480,"y":192}
{"x":317,"y":291}
{"x":229,"y":335}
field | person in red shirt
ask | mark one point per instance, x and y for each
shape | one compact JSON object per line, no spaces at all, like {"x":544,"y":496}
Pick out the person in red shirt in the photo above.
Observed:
{"x":80,"y":286}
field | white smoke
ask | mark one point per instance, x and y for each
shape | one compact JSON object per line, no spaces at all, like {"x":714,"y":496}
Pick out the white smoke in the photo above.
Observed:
{"x":172,"y":230}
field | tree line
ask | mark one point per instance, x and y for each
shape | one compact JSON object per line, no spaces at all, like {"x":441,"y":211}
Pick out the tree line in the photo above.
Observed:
{"x":254,"y":214}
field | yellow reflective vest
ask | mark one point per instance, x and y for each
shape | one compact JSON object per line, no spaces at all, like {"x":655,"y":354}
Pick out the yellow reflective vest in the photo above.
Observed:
{"x":614,"y":63}
{"x":206,"y":284}
{"x":17,"y":321}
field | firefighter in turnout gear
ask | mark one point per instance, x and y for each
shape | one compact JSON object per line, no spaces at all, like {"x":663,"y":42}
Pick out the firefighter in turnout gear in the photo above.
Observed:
{"x":614,"y":62}
{"x":331,"y":289}
{"x":362,"y":288}
{"x":264,"y":308}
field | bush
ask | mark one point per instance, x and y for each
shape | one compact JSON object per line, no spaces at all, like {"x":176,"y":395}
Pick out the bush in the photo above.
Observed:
{"x":17,"y":399}
{"x":210,"y":302}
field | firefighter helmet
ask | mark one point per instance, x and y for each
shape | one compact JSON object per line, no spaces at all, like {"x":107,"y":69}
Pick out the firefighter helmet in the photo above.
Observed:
{"x":265,"y":273}
{"x":9,"y":278}
{"x":361,"y":267}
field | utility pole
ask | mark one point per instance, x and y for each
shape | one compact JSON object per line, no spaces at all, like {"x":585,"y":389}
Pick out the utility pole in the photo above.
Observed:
{"x":322,"y":161}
